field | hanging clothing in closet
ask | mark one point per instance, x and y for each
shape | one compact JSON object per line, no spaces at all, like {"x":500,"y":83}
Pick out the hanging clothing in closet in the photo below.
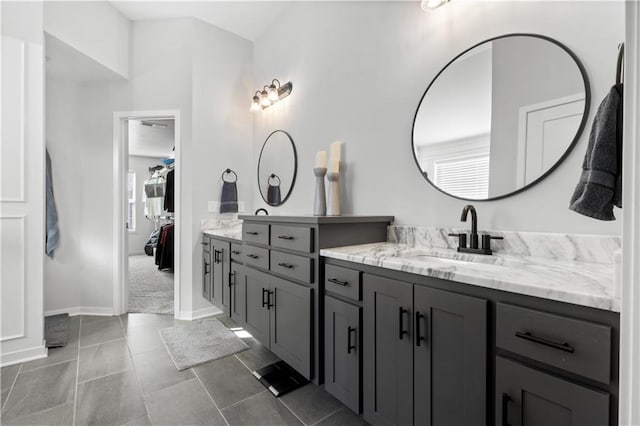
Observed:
{"x":169,"y":195}
{"x":164,"y":250}
{"x":153,"y":196}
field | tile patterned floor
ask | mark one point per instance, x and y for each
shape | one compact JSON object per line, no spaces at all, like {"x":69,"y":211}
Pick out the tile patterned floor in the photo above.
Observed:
{"x":115,"y":371}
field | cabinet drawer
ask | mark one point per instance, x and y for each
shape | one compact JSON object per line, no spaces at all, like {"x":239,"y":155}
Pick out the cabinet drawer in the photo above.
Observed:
{"x":255,"y":256}
{"x":296,"y":267}
{"x":292,"y":238}
{"x":577,"y":346}
{"x":255,"y":233}
{"x":236,"y":252}
{"x":206,"y":244}
{"x":343,"y":281}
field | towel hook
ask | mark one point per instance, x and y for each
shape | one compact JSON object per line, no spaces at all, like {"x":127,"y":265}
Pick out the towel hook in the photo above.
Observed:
{"x":273,"y":176}
{"x":229,"y":171}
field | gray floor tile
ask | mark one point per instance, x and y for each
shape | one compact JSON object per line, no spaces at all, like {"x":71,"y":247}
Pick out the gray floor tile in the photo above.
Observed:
{"x":142,"y":421}
{"x":158,"y":321}
{"x":186,"y":403}
{"x":344,"y":417}
{"x":66,"y":353}
{"x":100,"y":330}
{"x":111,"y":400}
{"x":106,"y":358}
{"x":311,"y":403}
{"x":144,"y":339}
{"x":41,"y":389}
{"x":7,"y":377}
{"x":157,"y":371}
{"x":257,"y":356}
{"x":260,"y":409}
{"x":228,"y":381}
{"x":62,"y":415}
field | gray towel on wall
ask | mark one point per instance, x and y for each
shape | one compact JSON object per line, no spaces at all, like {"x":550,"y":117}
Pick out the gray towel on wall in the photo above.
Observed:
{"x":273,"y":195}
{"x":52,"y":236}
{"x":600,"y":185}
{"x":229,"y":198}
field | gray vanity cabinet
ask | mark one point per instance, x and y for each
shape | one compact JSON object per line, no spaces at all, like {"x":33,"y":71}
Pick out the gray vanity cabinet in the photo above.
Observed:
{"x":342,"y":338}
{"x":450,"y":358}
{"x":206,"y":267}
{"x":388,"y":351}
{"x":528,"y":397}
{"x":237,"y":290}
{"x":220,"y":258}
{"x":290,"y":320}
{"x":257,"y":311}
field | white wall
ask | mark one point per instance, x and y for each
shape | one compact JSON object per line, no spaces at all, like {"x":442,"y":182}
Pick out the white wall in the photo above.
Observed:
{"x":358,"y":72}
{"x":79,"y":138}
{"x":138,"y":237}
{"x":95,"y":28}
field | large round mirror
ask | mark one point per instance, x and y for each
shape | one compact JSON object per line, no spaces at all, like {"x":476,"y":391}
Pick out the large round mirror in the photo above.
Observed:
{"x":277,"y":168}
{"x":500,"y":117}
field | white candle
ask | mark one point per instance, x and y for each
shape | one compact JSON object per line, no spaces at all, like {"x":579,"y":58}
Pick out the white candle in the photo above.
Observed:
{"x":334,"y":166}
{"x":335,"y":150}
{"x":321,"y":159}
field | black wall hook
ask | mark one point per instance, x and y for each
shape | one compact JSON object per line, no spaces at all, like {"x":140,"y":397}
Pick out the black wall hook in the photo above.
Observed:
{"x":229,"y":171}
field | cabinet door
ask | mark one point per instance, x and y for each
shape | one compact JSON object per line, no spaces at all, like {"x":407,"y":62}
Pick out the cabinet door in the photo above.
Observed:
{"x":528,"y":397}
{"x":220,"y":274}
{"x":206,"y":275}
{"x":257,"y":313}
{"x":238,"y":287}
{"x":388,"y":351}
{"x":290,"y":309}
{"x":450,"y":358}
{"x":342,"y":352}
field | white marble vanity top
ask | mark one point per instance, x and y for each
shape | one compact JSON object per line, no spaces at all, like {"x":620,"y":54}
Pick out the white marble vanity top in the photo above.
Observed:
{"x":231,"y":229}
{"x":581,"y":283}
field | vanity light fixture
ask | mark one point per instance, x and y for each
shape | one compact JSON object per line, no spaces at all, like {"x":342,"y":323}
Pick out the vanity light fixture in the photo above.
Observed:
{"x":432,"y":4}
{"x":270,"y":94}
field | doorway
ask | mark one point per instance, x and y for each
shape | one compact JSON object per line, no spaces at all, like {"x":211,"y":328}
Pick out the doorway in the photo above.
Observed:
{"x":146,"y":199}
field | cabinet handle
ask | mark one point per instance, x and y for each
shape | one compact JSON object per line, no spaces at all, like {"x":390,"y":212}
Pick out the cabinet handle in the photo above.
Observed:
{"x":216,"y":257}
{"x":204,"y":243}
{"x":236,"y":252}
{"x":265,"y":292}
{"x":336,"y":281}
{"x":286,"y":265}
{"x":350,"y":347}
{"x":419,"y":338}
{"x":253,"y":256}
{"x":269,"y":304}
{"x":505,"y":409}
{"x":206,"y":268}
{"x":401,"y":330}
{"x":561,"y":346}
{"x":232,"y":278}
{"x":285,"y":237}
{"x":251,"y":233}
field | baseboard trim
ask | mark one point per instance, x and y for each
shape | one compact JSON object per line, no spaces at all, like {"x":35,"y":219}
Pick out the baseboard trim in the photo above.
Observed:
{"x":82,"y":310}
{"x":198,"y":314}
{"x":24,"y":355}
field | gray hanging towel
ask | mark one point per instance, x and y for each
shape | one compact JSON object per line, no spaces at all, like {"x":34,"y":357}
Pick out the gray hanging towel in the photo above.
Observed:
{"x":52,"y":236}
{"x":600,"y":185}
{"x":273,"y":191}
{"x":229,"y":197}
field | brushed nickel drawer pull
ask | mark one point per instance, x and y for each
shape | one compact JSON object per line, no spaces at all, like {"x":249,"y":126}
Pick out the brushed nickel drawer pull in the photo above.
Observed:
{"x":546,"y":342}
{"x":337,"y":281}
{"x":286,"y":265}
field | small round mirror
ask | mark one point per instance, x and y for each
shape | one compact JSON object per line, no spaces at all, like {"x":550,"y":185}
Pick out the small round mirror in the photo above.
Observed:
{"x":500,"y":117}
{"x":277,"y":168}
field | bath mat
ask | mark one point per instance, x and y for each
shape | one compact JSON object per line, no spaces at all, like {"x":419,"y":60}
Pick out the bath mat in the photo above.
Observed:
{"x":56,"y":330}
{"x":200,"y":342}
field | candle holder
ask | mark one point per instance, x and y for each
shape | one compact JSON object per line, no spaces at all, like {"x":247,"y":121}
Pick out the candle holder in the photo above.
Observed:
{"x":320,"y":198}
{"x":334,"y":204}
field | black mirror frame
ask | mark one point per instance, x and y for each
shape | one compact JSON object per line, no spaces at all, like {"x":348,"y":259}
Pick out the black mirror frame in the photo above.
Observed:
{"x":583,"y":122}
{"x":295,"y":168}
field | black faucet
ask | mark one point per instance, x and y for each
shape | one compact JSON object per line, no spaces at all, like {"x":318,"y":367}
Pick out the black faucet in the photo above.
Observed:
{"x":473,"y":236}
{"x":261,"y":210}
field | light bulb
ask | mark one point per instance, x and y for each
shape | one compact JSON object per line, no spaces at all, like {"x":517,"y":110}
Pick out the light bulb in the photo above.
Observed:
{"x":255,"y":104}
{"x":272,"y":90}
{"x":264,"y":99}
{"x":432,"y":4}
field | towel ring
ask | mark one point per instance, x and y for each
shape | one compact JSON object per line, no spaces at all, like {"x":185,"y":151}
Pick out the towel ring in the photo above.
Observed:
{"x":229,"y":171}
{"x":273,"y":176}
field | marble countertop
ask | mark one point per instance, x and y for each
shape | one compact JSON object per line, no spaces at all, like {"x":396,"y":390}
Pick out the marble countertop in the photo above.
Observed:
{"x":580,"y":283}
{"x":230,"y":229}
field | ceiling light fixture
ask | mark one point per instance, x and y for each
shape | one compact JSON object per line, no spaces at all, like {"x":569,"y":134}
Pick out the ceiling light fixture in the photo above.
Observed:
{"x":428,"y":5}
{"x":270,"y":95}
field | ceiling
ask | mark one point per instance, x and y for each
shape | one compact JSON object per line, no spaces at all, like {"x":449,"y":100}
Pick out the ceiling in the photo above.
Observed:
{"x":248,"y":19}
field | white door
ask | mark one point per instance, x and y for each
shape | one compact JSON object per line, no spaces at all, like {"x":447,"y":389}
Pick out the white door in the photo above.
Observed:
{"x":545,"y":132}
{"x":21,"y":202}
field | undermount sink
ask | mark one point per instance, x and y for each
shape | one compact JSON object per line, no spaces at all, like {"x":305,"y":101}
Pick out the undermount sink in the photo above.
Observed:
{"x":448,"y":254}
